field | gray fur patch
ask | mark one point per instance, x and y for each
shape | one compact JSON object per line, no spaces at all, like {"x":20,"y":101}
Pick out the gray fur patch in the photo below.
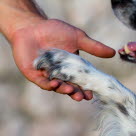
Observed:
{"x":122,"y":109}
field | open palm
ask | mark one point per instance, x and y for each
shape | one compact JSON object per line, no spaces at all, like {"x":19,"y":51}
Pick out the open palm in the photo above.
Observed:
{"x":53,"y":34}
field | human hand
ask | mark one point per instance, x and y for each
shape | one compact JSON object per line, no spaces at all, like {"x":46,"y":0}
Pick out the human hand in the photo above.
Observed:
{"x":28,"y":30}
{"x":47,"y":34}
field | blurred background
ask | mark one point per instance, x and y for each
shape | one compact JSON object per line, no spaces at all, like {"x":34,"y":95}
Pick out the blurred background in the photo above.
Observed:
{"x":26,"y":110}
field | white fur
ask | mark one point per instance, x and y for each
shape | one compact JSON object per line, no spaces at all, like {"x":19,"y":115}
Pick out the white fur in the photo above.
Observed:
{"x":118,"y":114}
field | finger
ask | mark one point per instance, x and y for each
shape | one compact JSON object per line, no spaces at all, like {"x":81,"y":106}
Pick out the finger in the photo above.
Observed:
{"x":38,"y":77}
{"x":95,"y":48}
{"x":77,"y":95}
{"x":46,"y":84}
{"x":72,"y":90}
{"x":88,"y":95}
{"x":43,"y":82}
{"x":82,"y":94}
{"x":64,"y":88}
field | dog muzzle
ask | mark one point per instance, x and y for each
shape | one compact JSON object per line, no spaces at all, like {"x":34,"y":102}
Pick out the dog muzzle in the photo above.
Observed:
{"x":125,"y":10}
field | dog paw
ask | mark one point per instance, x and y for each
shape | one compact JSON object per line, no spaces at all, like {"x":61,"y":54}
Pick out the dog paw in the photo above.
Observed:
{"x":72,"y":68}
{"x":64,"y":66}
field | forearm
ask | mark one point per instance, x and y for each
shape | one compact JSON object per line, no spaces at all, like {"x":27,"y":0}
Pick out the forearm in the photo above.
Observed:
{"x":15,"y":14}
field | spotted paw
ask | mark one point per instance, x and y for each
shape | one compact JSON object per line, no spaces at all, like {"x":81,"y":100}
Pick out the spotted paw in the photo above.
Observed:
{"x":63,"y":65}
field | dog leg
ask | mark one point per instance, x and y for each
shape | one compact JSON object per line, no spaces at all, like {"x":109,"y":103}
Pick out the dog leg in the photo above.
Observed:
{"x":117,"y":101}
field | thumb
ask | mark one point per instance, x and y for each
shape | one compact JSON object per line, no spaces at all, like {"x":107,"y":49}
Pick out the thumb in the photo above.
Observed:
{"x":95,"y":48}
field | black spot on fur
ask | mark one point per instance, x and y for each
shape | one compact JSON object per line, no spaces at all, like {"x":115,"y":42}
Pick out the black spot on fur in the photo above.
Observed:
{"x":86,"y":71}
{"x":71,"y":78}
{"x":48,"y":55}
{"x":67,"y":77}
{"x":111,"y":87}
{"x":39,"y":65}
{"x":132,"y":19}
{"x":54,"y":67}
{"x":121,"y":3}
{"x":104,"y":102}
{"x":126,"y":9}
{"x":46,"y":58}
{"x":83,"y":71}
{"x":58,"y":62}
{"x":122,"y":109}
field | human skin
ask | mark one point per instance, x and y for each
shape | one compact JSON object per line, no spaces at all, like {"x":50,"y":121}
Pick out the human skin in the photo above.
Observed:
{"x":28,"y":32}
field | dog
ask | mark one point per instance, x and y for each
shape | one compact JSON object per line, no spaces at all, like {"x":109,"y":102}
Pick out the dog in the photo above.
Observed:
{"x":118,"y":104}
{"x":125,"y":10}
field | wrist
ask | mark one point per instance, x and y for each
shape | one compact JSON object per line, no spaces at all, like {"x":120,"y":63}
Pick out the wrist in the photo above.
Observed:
{"x":17,"y":14}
